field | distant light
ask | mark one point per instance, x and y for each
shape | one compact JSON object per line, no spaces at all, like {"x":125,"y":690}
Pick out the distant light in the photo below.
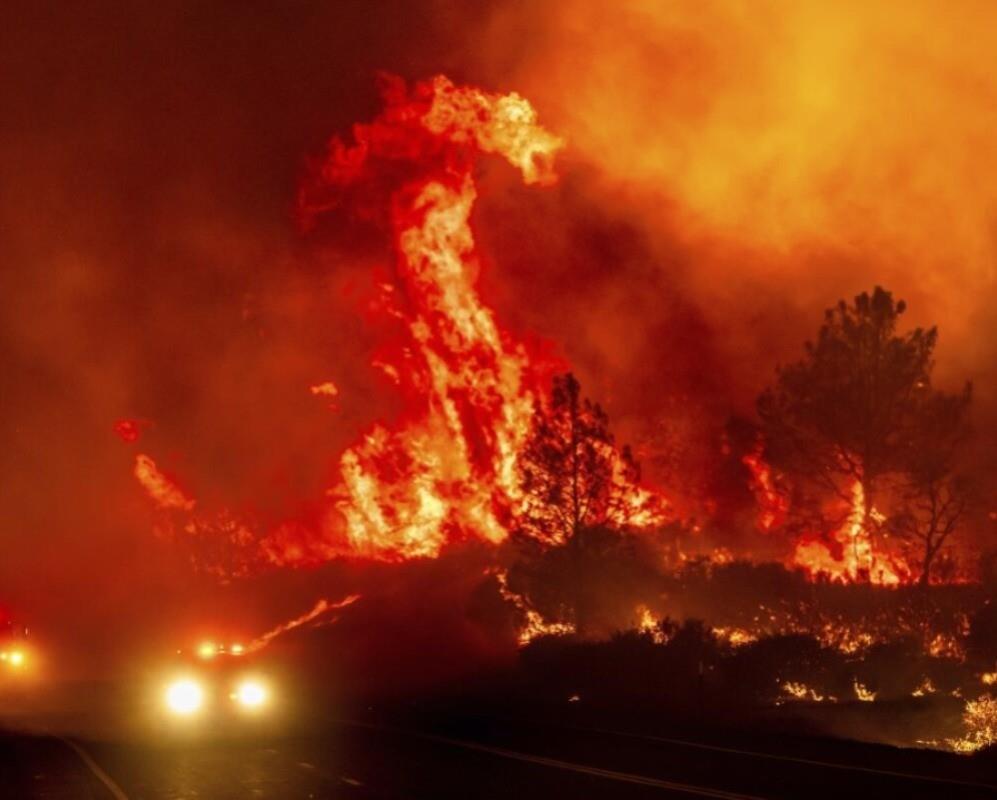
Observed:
{"x":184,"y":697}
{"x":16,"y":658}
{"x":3,"y":656}
{"x":250,"y":694}
{"x":328,"y":389}
{"x":207,"y":650}
{"x":237,"y":649}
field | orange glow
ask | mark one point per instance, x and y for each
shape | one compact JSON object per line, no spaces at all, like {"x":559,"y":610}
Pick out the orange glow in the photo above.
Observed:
{"x":749,"y":119}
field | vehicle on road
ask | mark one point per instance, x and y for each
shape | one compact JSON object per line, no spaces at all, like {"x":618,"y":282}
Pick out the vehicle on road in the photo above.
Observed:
{"x":214,"y":686}
{"x":16,"y":651}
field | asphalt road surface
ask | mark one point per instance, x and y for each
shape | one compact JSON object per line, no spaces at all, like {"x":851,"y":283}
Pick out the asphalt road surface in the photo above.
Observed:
{"x":369,"y":758}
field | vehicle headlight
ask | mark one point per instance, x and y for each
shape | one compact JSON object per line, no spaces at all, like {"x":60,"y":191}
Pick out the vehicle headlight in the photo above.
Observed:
{"x":184,"y":697}
{"x":250,"y":694}
{"x":207,"y":650}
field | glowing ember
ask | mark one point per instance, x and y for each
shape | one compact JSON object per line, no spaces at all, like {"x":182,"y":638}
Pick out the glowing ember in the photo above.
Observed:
{"x":862,"y":692}
{"x":327,"y":389}
{"x":945,"y":645}
{"x":848,"y":638}
{"x":797,"y":690}
{"x":129,"y":430}
{"x":162,"y":489}
{"x":735,"y":637}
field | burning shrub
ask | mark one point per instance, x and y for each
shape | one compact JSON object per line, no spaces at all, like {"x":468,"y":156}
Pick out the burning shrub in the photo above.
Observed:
{"x":980,"y":722}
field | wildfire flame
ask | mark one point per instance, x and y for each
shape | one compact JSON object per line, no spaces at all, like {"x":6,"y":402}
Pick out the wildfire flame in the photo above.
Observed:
{"x":321,"y":608}
{"x":851,"y":556}
{"x":862,"y":692}
{"x":796,"y":690}
{"x":979,"y":719}
{"x":449,"y":470}
{"x":650,"y":625}
{"x":534,"y":624}
{"x":772,"y":504}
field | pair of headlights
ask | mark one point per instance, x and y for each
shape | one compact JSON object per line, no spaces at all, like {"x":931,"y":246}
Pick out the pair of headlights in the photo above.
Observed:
{"x":186,"y":697}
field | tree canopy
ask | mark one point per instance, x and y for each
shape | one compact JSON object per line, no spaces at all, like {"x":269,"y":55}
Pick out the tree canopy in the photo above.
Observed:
{"x":572,"y":474}
{"x":859,"y":408}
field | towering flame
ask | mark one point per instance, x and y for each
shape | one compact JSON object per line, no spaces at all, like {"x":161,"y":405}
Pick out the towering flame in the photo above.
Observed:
{"x":450,"y":469}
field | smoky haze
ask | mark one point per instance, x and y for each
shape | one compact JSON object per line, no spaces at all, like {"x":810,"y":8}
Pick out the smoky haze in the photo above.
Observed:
{"x":731,"y":171}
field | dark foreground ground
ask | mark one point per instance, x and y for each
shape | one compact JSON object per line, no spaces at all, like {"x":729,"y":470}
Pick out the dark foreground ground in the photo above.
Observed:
{"x":403,"y":751}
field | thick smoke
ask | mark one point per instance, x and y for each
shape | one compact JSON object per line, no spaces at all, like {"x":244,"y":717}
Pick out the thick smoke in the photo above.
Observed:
{"x":773,"y":157}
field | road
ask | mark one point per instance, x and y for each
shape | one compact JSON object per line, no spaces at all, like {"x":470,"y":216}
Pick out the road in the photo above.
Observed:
{"x":369,"y":758}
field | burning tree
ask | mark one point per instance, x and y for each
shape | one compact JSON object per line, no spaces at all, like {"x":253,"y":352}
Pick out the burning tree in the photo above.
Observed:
{"x":580,"y":495}
{"x":857,"y":413}
{"x":572,"y":475}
